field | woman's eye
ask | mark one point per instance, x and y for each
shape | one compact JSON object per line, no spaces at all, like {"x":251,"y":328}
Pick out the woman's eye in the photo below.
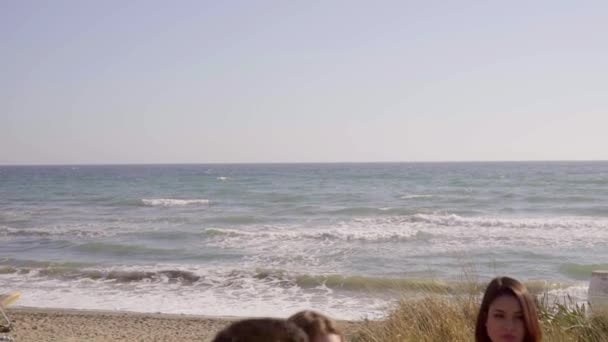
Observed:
{"x":499,"y":315}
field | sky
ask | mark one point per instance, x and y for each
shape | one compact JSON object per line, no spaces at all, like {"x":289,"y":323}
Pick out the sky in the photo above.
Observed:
{"x":107,"y":82}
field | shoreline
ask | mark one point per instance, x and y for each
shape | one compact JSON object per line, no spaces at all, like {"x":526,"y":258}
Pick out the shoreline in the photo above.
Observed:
{"x":56,"y":324}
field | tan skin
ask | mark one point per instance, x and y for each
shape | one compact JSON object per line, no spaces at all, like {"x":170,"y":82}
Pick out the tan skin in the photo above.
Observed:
{"x":505,"y":322}
{"x":327,"y":338}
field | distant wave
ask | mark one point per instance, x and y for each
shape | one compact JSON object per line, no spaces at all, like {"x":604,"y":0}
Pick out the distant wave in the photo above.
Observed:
{"x":580,"y":272}
{"x":553,"y":222}
{"x":237,"y":219}
{"x":407,"y":227}
{"x":369,"y":211}
{"x":445,"y":232}
{"x":414,"y":196}
{"x":12,"y":217}
{"x":331,"y":235}
{"x":171,"y":202}
{"x":84,"y":232}
{"x":358,"y":211}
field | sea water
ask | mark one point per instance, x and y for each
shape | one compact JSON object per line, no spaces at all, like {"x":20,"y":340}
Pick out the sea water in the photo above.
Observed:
{"x":271,"y":239}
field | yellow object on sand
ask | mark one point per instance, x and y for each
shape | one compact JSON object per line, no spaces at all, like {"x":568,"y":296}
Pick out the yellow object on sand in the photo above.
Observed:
{"x":7,"y":299}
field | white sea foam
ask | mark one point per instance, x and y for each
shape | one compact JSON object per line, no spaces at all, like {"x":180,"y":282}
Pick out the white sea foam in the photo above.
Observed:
{"x":445,"y":231}
{"x":414,"y":196}
{"x":577,"y":293}
{"x":349,"y":224}
{"x":551,"y":222}
{"x":66,"y":230}
{"x":170,"y":202}
{"x":219,"y":292}
{"x":401,"y":242}
{"x":337,"y":234}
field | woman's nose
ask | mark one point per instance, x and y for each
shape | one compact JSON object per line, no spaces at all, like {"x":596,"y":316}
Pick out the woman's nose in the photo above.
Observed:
{"x":509,"y":324}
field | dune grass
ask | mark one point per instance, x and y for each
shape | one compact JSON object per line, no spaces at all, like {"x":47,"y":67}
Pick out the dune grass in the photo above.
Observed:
{"x":452,"y":318}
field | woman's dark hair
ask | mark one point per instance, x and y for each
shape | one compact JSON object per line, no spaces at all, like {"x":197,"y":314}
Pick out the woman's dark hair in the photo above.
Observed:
{"x":315,"y":324}
{"x":505,"y":286}
{"x":261,"y":330}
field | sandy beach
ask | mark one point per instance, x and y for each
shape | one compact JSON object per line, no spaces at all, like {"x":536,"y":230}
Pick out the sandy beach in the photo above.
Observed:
{"x":33,"y":324}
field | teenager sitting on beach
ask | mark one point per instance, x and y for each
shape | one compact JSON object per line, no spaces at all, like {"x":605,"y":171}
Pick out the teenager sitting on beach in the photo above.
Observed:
{"x":507,"y":313}
{"x":261,"y":330}
{"x":318,"y":327}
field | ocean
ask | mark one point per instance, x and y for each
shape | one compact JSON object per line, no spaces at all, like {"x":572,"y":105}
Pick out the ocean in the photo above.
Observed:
{"x":271,"y":239}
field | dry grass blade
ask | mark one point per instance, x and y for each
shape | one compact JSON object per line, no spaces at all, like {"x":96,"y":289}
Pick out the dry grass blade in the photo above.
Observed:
{"x":452,"y":318}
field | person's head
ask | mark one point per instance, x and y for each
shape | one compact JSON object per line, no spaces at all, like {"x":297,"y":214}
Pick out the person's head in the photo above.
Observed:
{"x":507,"y":313}
{"x":318,"y":327}
{"x":261,"y":330}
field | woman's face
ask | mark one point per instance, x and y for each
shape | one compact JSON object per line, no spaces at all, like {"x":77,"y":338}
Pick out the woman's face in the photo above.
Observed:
{"x":505,"y":321}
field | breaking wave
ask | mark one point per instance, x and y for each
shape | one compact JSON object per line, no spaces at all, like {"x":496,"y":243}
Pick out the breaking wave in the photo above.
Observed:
{"x":72,"y":232}
{"x":172,"y":202}
{"x":272,"y":277}
{"x":119,"y":276}
{"x":555,"y":222}
{"x":333,"y":235}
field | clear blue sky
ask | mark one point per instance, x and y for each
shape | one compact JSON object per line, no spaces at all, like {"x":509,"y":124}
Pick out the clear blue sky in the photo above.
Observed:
{"x":302,"y":81}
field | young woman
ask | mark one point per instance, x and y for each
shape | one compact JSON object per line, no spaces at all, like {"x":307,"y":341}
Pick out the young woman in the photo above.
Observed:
{"x":318,"y":327}
{"x":507,"y":313}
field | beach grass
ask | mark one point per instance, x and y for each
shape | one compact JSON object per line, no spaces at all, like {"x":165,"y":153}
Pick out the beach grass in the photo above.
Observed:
{"x":452,"y":318}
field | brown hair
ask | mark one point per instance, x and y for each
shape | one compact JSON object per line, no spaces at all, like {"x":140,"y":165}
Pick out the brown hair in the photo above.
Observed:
{"x":261,"y":330}
{"x":315,"y":324}
{"x":505,"y":286}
